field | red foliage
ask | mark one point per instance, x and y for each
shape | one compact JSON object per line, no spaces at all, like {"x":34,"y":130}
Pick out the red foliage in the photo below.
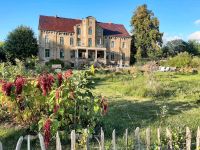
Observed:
{"x":47,"y":132}
{"x":7,"y":87}
{"x":68,"y":73}
{"x":19,"y":82}
{"x":45,"y":82}
{"x":60,"y":79}
{"x":104,"y":105}
{"x":56,"y":107}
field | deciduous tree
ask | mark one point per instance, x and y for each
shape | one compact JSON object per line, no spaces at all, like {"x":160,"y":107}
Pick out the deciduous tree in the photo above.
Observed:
{"x":21,"y":43}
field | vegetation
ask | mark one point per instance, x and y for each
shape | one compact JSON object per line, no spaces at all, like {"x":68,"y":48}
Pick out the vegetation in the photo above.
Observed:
{"x":147,"y":36}
{"x":2,"y":52}
{"x":55,"y":61}
{"x":48,"y":103}
{"x":21,"y":43}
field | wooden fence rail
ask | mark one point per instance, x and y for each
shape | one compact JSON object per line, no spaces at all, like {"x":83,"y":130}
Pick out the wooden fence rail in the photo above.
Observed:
{"x":138,"y":143}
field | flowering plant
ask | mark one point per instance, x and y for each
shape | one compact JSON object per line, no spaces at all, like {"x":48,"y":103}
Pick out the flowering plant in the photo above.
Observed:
{"x":53,"y":102}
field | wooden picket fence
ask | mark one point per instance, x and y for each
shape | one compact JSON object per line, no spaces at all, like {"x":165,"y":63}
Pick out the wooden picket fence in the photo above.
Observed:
{"x":101,"y":142}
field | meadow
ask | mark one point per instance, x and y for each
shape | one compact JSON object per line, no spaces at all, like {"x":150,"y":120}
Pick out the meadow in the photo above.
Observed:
{"x":141,"y":99}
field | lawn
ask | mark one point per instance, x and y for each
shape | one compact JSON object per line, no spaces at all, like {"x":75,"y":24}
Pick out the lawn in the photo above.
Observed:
{"x":142,"y":100}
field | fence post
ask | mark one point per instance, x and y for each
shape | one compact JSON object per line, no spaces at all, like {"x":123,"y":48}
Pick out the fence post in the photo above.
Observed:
{"x":1,"y":146}
{"x":159,"y":140}
{"x":169,"y":137}
{"x":73,"y":140}
{"x":19,"y":143}
{"x":148,"y":138}
{"x":58,"y":143}
{"x":126,"y":138}
{"x":113,"y":140}
{"x":42,"y":145}
{"x":28,"y":143}
{"x":137,"y":138}
{"x":102,"y":140}
{"x":188,"y":139}
{"x":87,"y":142}
{"x":198,"y":139}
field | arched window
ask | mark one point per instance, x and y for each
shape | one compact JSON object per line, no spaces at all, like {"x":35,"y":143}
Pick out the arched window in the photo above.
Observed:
{"x":71,"y":41}
{"x":90,"y":30}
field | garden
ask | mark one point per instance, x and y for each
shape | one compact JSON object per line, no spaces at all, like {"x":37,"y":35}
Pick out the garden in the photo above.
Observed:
{"x":40,"y":100}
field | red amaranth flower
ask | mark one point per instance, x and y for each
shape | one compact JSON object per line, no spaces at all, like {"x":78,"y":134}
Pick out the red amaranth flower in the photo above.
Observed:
{"x":56,"y":107}
{"x":7,"y":87}
{"x":19,"y":82}
{"x":104,"y":105}
{"x":60,"y":79}
{"x":68,"y":73}
{"x":45,"y":82}
{"x":47,"y":132}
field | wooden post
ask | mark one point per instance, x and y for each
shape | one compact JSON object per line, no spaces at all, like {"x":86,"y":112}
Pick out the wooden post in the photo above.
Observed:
{"x":126,"y":138}
{"x":137,"y":138}
{"x":113,"y":140}
{"x":42,"y":145}
{"x":73,"y":140}
{"x":87,"y":142}
{"x":58,"y":143}
{"x":28,"y":143}
{"x":169,"y":137}
{"x":1,"y":146}
{"x":19,"y":143}
{"x":188,"y":139}
{"x":198,"y":139}
{"x":148,"y":138}
{"x":159,"y":140}
{"x":102,"y":140}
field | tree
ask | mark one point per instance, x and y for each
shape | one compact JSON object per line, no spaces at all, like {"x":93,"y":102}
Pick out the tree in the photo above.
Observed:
{"x":2,"y":52}
{"x":147,"y":36}
{"x":21,"y":43}
{"x":175,"y":47}
{"x":194,"y":47}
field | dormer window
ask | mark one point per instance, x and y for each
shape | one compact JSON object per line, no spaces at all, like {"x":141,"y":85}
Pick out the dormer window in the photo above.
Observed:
{"x":90,"y":30}
{"x":79,"y":31}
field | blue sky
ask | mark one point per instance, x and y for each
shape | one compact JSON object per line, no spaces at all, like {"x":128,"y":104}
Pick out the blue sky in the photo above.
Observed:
{"x":178,"y":18}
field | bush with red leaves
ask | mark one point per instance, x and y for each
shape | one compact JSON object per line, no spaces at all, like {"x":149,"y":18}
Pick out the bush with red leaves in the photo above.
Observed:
{"x":19,"y":82}
{"x":60,"y":79}
{"x":7,"y":87}
{"x":68,"y":73}
{"x":104,"y":105}
{"x":47,"y":132}
{"x":45,"y":82}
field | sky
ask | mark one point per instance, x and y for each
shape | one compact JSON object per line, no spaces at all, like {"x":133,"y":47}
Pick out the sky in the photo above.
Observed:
{"x":178,"y":18}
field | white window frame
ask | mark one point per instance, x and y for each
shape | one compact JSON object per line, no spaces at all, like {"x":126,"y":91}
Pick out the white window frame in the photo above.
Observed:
{"x":45,"y":53}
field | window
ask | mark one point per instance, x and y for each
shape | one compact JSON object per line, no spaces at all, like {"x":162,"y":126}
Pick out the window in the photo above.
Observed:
{"x":61,"y":41}
{"x":78,"y":31}
{"x":99,"y":41}
{"x":112,"y":44}
{"x":123,"y":45}
{"x":107,"y":55}
{"x":90,"y":42}
{"x":91,"y":54}
{"x":71,"y":41}
{"x":100,"y":54}
{"x":90,"y":30}
{"x":72,"y":54}
{"x":47,"y":53}
{"x":123,"y":56}
{"x":62,"y":54}
{"x":112,"y":56}
{"x":79,"y":42}
{"x":46,"y":39}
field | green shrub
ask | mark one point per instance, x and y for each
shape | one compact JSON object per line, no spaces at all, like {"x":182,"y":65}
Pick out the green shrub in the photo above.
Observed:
{"x":181,"y":60}
{"x":55,"y":61}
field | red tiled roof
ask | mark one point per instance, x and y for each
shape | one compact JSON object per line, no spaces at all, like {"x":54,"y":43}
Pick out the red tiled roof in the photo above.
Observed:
{"x":50,"y":23}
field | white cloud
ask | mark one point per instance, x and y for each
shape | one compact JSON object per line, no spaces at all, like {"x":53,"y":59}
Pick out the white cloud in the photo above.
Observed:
{"x":197,"y":22}
{"x":194,"y":36}
{"x":167,"y":37}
